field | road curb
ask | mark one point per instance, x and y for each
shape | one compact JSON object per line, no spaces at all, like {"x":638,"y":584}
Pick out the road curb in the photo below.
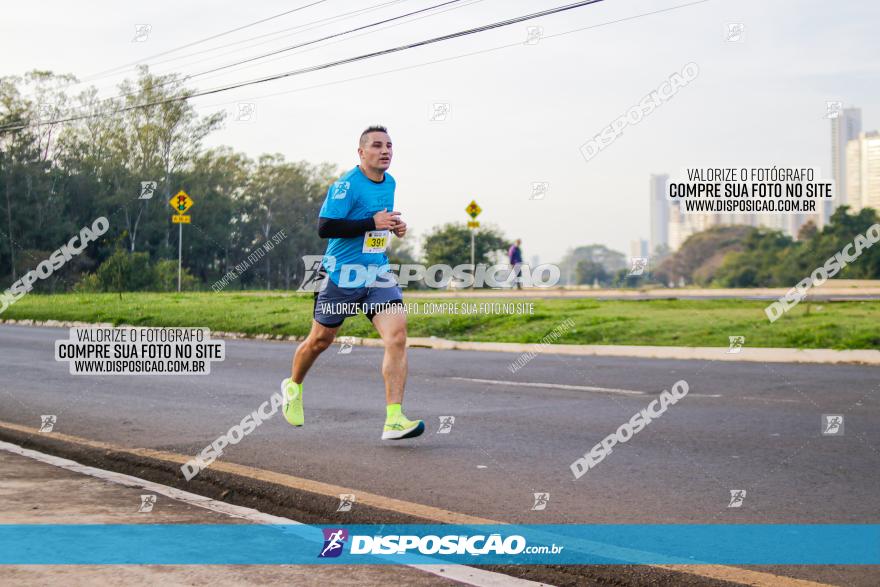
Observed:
{"x":747,"y":354}
{"x":761,"y":355}
{"x":312,"y":502}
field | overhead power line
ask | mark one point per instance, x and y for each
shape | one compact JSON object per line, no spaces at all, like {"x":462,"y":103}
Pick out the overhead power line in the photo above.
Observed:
{"x":334,"y":35}
{"x":327,"y":65}
{"x":292,"y":47}
{"x":301,"y":27}
{"x":467,"y":3}
{"x":211,"y":38}
{"x":373,"y":74}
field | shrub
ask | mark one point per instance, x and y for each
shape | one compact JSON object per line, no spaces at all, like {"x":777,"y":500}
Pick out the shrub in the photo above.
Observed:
{"x":88,"y":284}
{"x":165,"y":277}
{"x":124,"y":271}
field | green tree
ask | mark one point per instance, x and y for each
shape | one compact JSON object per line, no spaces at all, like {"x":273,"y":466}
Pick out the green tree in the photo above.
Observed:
{"x":164,"y":277}
{"x":125,"y":271}
{"x":701,"y":255}
{"x":611,"y":261}
{"x":842,"y":229}
{"x":771,"y":259}
{"x":32,"y":203}
{"x":156,"y":142}
{"x":450,"y":244}
{"x":285,"y":195}
{"x":807,"y":231}
{"x":217,"y":238}
{"x":758,"y":263}
{"x":589,"y":272}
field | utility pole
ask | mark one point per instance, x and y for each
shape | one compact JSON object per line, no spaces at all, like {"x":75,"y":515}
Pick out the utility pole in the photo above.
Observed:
{"x":179,"y":253}
{"x":473,"y":210}
{"x":473,"y":230}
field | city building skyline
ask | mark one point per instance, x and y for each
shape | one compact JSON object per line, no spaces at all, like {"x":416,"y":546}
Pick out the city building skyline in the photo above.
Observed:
{"x":863,"y":171}
{"x":659,"y":212}
{"x":855,"y":169}
{"x":845,"y":126}
{"x":639,"y":249}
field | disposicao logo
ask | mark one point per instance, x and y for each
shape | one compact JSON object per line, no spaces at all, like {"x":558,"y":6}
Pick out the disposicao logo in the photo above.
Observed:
{"x":334,"y":541}
{"x":394,"y":544}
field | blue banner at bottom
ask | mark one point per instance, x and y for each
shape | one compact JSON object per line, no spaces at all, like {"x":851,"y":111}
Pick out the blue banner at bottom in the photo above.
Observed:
{"x":251,"y":544}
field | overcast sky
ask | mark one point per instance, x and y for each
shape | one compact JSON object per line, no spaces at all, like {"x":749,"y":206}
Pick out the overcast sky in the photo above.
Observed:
{"x":517,"y":114}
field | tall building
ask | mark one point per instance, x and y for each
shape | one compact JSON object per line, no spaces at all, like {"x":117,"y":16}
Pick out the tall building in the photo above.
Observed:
{"x":659,"y":212}
{"x":863,"y":171}
{"x":678,"y":228}
{"x":639,"y":248}
{"x":845,"y":127}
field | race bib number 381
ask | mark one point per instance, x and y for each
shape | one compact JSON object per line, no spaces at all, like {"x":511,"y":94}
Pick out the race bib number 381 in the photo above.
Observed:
{"x":376,"y":241}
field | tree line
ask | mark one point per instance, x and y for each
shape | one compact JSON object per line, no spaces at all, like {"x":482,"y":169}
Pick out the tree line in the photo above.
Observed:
{"x":737,"y":256}
{"x":58,"y":174}
{"x":57,"y":177}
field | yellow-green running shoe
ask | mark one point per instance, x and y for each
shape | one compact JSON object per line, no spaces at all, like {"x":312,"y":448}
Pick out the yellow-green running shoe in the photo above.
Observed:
{"x":293,"y":402}
{"x":398,"y":428}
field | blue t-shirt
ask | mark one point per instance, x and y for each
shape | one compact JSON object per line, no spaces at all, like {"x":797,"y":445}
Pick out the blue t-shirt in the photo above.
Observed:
{"x":355,"y":197}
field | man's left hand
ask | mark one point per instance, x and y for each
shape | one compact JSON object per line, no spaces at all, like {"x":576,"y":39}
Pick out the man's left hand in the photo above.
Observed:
{"x":400,"y":229}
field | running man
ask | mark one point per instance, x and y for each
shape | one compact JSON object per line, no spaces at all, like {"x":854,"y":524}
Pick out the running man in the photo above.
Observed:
{"x":356,"y":218}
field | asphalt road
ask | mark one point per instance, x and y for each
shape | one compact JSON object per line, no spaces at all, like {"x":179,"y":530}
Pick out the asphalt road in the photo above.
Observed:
{"x":743,"y":426}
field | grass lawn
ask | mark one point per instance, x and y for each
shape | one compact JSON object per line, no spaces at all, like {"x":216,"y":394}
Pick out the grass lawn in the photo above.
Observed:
{"x":838,"y":325}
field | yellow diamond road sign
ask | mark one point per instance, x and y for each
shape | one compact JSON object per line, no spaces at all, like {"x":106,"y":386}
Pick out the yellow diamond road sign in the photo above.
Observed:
{"x":181,"y":202}
{"x":473,"y":209}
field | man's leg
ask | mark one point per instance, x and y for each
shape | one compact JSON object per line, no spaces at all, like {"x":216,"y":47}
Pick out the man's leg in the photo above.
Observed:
{"x":391,"y":326}
{"x":315,"y":343}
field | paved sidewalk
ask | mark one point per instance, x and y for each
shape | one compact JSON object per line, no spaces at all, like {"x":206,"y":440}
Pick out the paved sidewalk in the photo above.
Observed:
{"x":32,"y":492}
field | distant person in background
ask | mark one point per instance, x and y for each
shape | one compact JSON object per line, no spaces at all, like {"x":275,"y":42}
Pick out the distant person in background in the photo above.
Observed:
{"x":515,"y":256}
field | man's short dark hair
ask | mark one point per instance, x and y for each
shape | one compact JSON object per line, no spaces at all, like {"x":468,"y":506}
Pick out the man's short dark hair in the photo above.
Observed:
{"x":375,"y":128}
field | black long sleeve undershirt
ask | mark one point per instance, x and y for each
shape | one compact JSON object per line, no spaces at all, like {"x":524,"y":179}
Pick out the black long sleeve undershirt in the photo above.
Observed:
{"x":341,"y":228}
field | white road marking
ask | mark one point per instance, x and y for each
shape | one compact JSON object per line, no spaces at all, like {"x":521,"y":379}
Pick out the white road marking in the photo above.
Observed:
{"x":571,"y":387}
{"x":552,"y":386}
{"x":460,"y":573}
{"x":773,"y":400}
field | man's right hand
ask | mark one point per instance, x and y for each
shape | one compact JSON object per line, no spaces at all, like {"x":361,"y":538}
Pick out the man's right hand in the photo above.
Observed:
{"x":385,"y":220}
